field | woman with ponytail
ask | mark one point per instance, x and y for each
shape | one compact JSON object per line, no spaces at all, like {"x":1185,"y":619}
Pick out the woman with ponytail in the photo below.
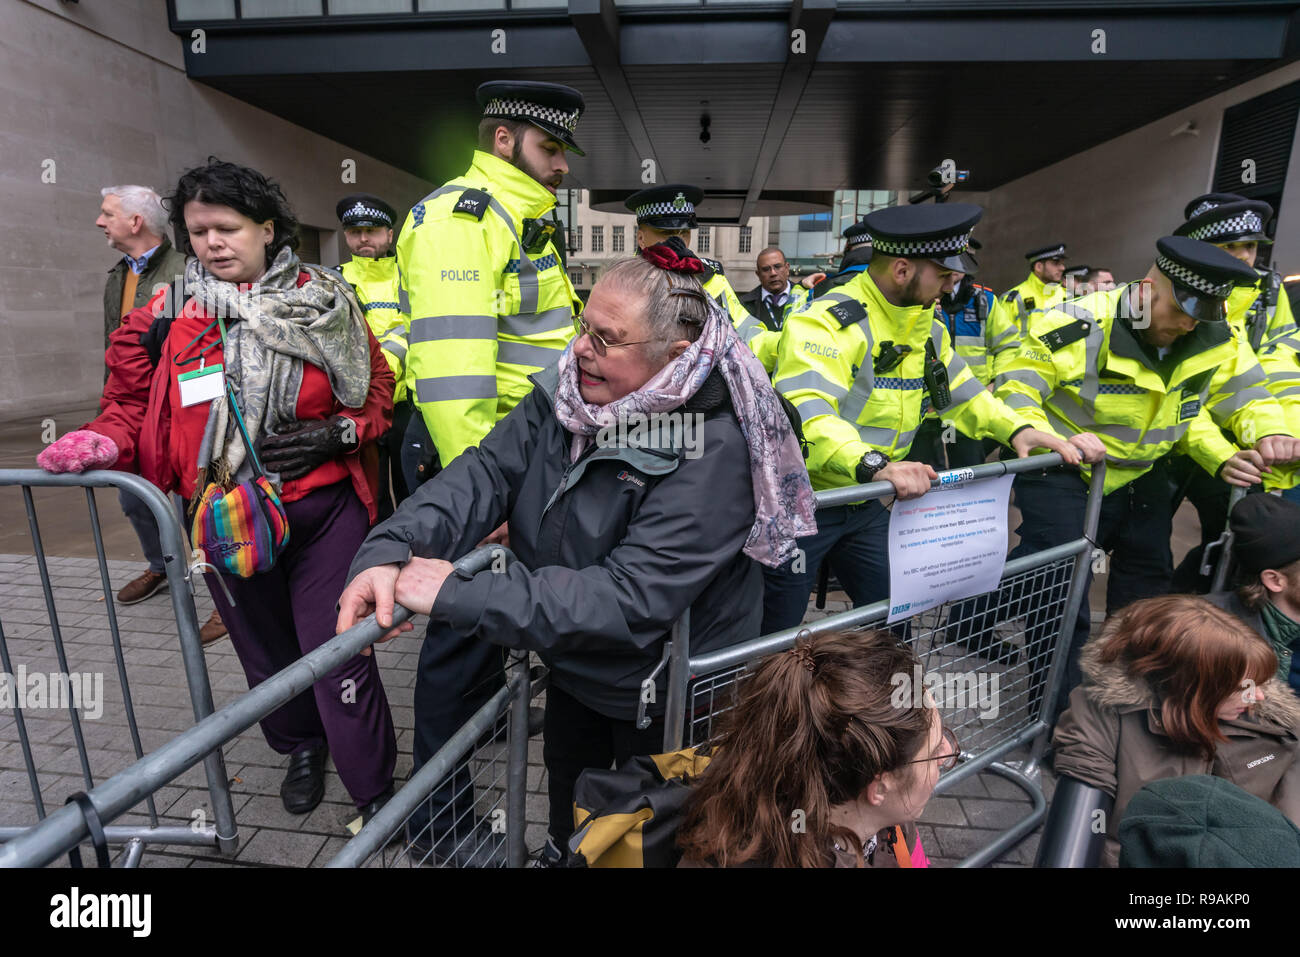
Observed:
{"x":818,"y":765}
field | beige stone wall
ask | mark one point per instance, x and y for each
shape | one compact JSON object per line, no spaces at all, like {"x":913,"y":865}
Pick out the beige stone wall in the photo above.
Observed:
{"x":1111,"y":203}
{"x":99,"y":88}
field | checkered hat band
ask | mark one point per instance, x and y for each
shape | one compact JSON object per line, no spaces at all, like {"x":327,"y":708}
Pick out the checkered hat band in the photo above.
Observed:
{"x":522,"y":108}
{"x":1237,"y":226}
{"x":944,"y":245}
{"x":1176,"y":270}
{"x":664,"y":209}
{"x":360,"y":211}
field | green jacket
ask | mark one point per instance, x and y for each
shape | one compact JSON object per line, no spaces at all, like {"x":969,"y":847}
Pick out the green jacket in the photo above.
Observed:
{"x":163,"y":267}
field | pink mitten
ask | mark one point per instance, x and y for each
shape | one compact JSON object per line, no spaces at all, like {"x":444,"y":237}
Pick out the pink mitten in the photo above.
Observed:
{"x":79,"y":451}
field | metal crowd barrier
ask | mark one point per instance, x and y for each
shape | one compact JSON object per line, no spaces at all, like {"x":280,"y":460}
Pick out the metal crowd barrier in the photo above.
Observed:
{"x":222,"y":833}
{"x":1018,"y":636}
{"x":67,"y":827}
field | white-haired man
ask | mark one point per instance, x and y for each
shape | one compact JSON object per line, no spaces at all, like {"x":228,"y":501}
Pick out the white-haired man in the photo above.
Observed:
{"x":135,"y":224}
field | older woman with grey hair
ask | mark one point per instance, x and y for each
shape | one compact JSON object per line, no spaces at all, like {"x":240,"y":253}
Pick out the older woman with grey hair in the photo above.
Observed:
{"x":644,"y":476}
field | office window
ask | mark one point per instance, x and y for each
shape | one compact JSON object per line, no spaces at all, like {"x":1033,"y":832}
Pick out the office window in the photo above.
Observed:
{"x":575,"y":277}
{"x":815,"y":222}
{"x":704,"y":239}
{"x":746,"y":238}
{"x":597,"y":239}
{"x":616,"y":240}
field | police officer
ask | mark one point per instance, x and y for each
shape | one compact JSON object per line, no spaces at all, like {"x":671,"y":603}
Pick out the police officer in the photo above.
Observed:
{"x":663,"y":212}
{"x":1042,"y":288}
{"x":1073,"y":279}
{"x":1260,"y":314}
{"x":372,"y":271}
{"x":1124,"y":374}
{"x":857,"y":254}
{"x":857,"y":364}
{"x":489,"y":303}
{"x":982,"y":330}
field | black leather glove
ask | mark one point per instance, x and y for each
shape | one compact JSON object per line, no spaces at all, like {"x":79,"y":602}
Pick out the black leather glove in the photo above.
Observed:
{"x":306,"y":445}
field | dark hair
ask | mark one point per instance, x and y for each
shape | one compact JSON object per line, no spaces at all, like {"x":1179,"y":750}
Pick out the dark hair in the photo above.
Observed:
{"x":487,"y":132}
{"x":1252,"y":592}
{"x":1194,"y":655}
{"x":813,"y":727}
{"x":244,"y":190}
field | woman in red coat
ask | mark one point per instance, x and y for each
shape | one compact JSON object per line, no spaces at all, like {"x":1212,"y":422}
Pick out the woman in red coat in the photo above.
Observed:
{"x":315,"y":392}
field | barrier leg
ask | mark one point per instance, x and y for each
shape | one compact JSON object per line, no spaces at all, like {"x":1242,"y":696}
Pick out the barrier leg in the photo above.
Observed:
{"x":517,"y":765}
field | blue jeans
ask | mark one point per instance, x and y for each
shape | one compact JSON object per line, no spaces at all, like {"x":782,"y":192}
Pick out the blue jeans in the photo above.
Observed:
{"x":855,"y":540}
{"x":146,"y":529}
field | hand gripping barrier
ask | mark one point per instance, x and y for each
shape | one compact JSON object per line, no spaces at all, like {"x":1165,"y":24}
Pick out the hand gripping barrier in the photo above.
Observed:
{"x":450,"y":813}
{"x":1001,"y":655}
{"x":64,"y":829}
{"x":79,"y":641}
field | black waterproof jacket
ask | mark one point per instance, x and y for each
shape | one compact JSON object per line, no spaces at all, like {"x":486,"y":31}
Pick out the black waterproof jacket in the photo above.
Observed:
{"x":612,"y":549}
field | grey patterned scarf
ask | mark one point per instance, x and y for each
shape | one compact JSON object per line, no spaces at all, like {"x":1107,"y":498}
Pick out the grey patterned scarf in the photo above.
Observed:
{"x":272,"y":328}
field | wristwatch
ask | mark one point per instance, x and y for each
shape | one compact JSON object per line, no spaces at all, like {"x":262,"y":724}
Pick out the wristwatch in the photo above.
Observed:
{"x":871,"y":464}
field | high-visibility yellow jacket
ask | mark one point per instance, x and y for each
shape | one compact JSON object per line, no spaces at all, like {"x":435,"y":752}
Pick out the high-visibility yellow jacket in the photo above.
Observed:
{"x":982,"y":330}
{"x":1032,"y":294}
{"x":1261,"y":314}
{"x":376,"y":285}
{"x":759,"y":338}
{"x":484,"y":313}
{"x":1082,"y":368}
{"x":828,"y":351}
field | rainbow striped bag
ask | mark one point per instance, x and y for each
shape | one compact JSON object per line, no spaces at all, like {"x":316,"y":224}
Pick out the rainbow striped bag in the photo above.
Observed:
{"x":242,"y":530}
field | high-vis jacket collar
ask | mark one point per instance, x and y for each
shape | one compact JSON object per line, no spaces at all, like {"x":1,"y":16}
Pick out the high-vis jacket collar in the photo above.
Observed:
{"x":364,"y":268}
{"x":516,"y":190}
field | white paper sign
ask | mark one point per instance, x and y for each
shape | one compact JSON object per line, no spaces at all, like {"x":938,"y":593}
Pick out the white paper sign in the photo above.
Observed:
{"x":949,"y":543}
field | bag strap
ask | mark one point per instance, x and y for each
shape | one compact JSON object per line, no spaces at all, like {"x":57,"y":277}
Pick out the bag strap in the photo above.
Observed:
{"x":901,"y":853}
{"x":234,"y":406}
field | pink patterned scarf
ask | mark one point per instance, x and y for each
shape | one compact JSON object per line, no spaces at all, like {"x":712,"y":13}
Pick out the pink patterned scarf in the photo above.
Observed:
{"x":783,"y":496}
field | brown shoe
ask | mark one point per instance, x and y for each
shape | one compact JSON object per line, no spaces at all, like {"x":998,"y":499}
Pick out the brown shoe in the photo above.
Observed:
{"x":141,"y":588}
{"x":212,"y":629}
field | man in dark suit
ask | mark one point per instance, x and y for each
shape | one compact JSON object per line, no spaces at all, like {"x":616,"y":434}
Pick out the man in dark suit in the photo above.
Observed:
{"x":773,"y":298}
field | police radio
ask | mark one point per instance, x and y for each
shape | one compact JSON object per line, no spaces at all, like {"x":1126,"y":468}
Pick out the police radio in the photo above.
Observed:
{"x":936,"y":379}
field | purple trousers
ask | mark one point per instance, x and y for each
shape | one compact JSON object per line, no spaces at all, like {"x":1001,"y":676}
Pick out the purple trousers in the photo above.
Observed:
{"x":283,"y":613}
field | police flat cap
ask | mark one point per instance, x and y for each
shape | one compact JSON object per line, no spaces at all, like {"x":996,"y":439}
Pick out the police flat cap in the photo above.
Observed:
{"x":551,"y":107}
{"x":1079,"y":270}
{"x":363,"y":209}
{"x":1054,"y":251}
{"x":1266,"y":532}
{"x":939,"y":231}
{"x":1233,"y":221}
{"x":856,"y":234}
{"x":666,"y":207}
{"x":1202,"y":275}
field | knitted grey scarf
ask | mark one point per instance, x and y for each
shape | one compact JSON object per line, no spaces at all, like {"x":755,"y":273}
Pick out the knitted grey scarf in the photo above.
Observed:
{"x":272,"y":328}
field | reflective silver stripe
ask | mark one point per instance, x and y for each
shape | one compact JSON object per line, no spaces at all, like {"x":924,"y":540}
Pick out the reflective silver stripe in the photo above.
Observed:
{"x":1029,"y":377}
{"x":814,"y":406}
{"x":970,"y":342}
{"x":885,"y":438}
{"x":1286,"y":340}
{"x":966,"y":391}
{"x":433,"y":328}
{"x":1008,"y":336}
{"x":1238,"y":400}
{"x":527,"y":268}
{"x":811,"y":380}
{"x":532,"y":324}
{"x":525,"y":354}
{"x":1292,"y":390}
{"x":1283,"y":376}
{"x":749,"y":328}
{"x":1252,"y":376}
{"x":1130,"y":463}
{"x":449,"y":388}
{"x":1018,"y":400}
{"x":396,"y":346}
{"x":1169,"y":434}
{"x":865,"y":381}
{"x":403,"y":300}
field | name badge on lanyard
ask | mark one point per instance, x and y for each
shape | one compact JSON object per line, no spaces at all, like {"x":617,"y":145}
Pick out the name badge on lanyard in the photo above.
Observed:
{"x":202,"y":385}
